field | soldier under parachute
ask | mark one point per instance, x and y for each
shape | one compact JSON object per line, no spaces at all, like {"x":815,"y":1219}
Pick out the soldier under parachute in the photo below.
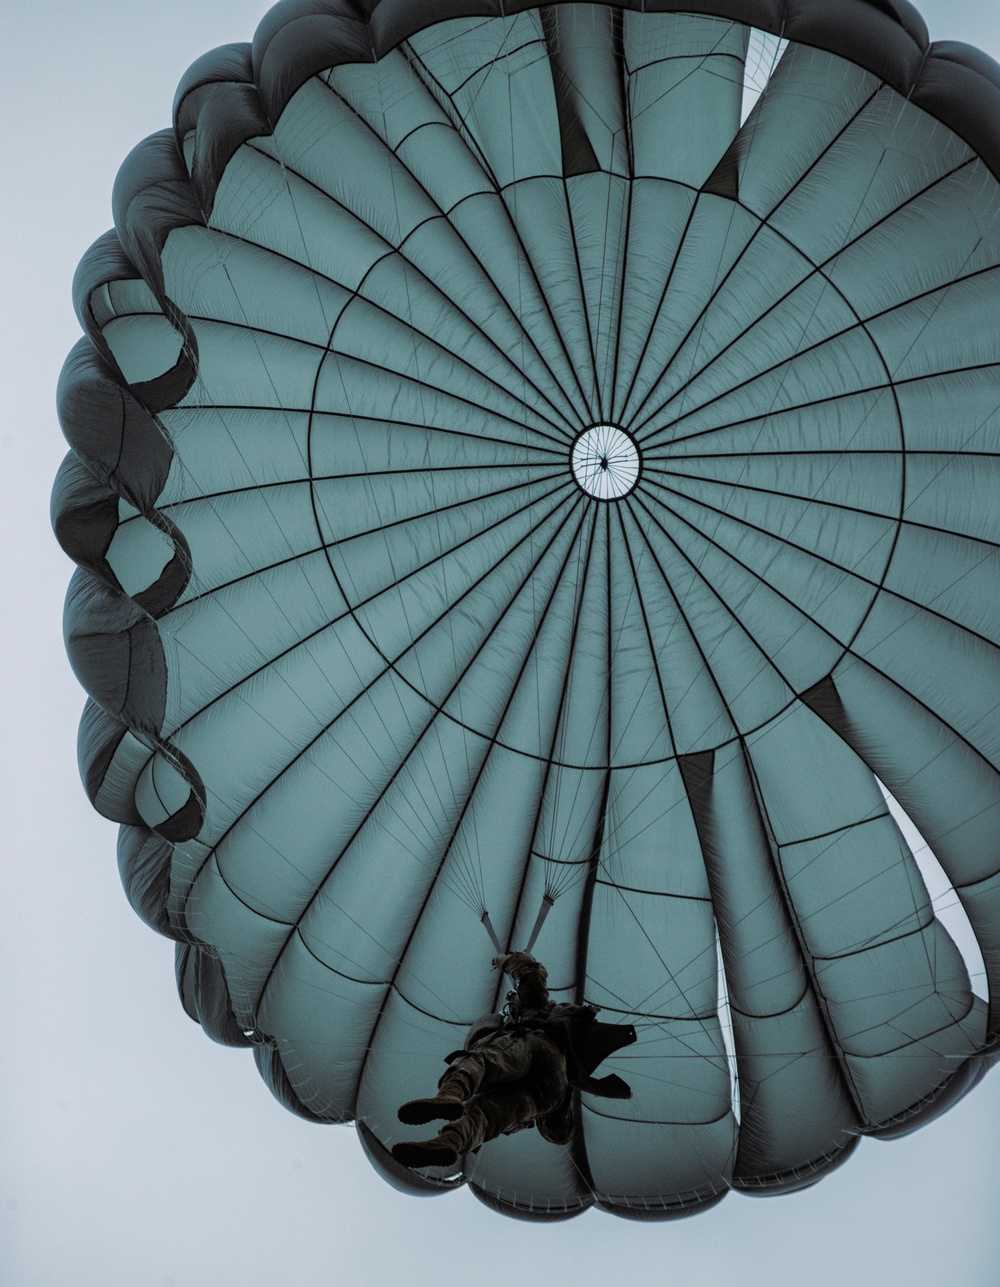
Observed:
{"x":517,"y":1070}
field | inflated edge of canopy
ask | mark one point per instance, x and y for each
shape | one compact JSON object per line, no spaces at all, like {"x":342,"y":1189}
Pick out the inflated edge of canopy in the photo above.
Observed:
{"x":120,"y":451}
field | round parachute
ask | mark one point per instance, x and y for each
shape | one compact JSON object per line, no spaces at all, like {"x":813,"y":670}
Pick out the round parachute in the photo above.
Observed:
{"x":533,"y":481}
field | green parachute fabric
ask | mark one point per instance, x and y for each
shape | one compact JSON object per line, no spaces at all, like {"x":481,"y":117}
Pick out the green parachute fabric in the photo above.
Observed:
{"x":534,"y":476}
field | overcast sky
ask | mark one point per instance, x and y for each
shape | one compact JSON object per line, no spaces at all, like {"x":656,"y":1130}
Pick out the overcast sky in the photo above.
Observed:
{"x":135,"y":1153}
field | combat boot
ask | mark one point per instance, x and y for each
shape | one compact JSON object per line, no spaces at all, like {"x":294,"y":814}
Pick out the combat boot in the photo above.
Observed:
{"x":451,"y":1141}
{"x":446,"y":1106}
{"x":420,"y":1153}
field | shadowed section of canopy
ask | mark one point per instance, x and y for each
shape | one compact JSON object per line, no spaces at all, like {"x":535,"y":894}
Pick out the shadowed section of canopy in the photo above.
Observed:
{"x":535,"y":467}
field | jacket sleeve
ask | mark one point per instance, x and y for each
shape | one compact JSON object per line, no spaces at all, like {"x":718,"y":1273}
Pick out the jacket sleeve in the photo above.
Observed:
{"x":531,"y":978}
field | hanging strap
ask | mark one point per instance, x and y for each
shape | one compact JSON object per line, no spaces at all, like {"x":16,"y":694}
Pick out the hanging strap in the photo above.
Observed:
{"x":485,"y":918}
{"x":543,"y":911}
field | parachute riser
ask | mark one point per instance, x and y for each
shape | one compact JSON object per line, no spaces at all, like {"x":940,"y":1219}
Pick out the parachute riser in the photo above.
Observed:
{"x":543,"y":911}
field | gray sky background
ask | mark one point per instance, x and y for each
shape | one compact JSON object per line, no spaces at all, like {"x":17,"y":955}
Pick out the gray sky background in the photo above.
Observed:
{"x":133,"y":1151}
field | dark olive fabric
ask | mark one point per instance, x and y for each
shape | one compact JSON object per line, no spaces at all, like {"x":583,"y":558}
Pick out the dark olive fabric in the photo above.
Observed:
{"x":534,"y":470}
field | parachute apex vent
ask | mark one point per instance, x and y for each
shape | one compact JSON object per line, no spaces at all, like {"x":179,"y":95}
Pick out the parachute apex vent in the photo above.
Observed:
{"x":606,"y":462}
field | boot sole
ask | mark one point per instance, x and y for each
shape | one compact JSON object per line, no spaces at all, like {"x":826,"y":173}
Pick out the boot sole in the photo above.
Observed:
{"x":419,"y":1111}
{"x":421,"y":1155}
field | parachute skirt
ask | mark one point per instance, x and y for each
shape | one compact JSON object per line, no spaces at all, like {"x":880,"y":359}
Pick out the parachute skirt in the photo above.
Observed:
{"x":372,"y":664}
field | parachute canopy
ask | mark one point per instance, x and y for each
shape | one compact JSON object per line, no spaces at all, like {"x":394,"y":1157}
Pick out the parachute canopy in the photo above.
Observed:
{"x":534,"y":473}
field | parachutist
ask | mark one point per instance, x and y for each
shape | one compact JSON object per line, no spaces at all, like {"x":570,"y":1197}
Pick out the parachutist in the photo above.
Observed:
{"x":518,"y":1069}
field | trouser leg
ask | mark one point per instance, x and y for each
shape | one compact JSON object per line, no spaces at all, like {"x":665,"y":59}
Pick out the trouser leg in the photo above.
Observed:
{"x":535,"y":1083}
{"x":459,"y":1082}
{"x":499,"y":1060}
{"x":527,"y":1079}
{"x":495,"y":1112}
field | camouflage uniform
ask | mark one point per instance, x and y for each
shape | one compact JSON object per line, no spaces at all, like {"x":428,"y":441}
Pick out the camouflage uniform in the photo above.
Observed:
{"x":512,"y":1077}
{"x":516,"y":1071}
